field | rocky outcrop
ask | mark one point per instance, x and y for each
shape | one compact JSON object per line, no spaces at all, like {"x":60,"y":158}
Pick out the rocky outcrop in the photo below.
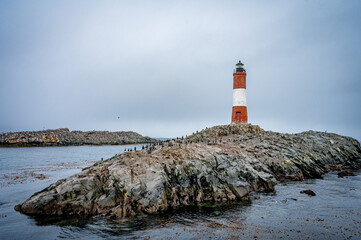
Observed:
{"x":64,"y":137}
{"x":223,"y":163}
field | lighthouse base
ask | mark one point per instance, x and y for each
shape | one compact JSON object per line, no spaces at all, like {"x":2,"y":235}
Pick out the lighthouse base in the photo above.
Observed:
{"x":239,"y":114}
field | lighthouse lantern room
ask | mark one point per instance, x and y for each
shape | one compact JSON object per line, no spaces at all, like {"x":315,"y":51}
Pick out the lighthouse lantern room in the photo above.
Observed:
{"x":239,"y":109}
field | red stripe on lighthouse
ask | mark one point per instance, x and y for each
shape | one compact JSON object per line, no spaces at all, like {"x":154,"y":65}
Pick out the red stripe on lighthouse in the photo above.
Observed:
{"x":239,"y":114}
{"x":239,"y":80}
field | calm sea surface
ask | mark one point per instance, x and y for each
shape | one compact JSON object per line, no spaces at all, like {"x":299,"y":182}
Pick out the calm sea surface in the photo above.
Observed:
{"x":334,"y":213}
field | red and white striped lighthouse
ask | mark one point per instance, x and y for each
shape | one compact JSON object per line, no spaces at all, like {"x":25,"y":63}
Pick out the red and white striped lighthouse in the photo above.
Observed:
{"x":239,"y":109}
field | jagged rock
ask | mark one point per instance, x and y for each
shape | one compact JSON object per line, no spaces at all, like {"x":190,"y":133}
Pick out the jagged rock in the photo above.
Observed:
{"x":223,"y":163}
{"x":308,"y":192}
{"x":64,"y":137}
{"x":345,"y":173}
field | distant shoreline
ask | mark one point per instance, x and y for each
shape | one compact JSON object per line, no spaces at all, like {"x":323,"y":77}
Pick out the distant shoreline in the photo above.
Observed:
{"x":64,"y":137}
{"x":78,"y":145}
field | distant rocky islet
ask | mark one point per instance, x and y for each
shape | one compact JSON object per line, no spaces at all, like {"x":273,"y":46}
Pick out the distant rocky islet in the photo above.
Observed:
{"x":64,"y":137}
{"x":219,"y":164}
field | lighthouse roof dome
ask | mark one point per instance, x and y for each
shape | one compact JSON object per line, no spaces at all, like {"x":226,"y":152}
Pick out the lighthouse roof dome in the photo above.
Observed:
{"x":239,"y":63}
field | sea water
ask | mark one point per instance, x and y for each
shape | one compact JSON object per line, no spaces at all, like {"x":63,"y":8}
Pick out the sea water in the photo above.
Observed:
{"x":334,"y":213}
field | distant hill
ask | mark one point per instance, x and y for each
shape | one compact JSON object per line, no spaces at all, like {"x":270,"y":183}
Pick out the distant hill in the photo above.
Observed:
{"x":64,"y":137}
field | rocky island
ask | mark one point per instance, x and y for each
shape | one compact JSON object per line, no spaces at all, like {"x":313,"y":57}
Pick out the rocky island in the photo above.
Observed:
{"x":219,"y":164}
{"x":64,"y":137}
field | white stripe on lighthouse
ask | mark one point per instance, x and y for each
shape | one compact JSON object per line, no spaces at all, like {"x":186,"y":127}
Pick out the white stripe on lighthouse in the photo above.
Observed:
{"x":239,"y":97}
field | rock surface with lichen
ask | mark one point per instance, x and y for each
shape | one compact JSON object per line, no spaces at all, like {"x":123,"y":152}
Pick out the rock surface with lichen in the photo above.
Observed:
{"x":222,"y":163}
{"x":64,"y":137}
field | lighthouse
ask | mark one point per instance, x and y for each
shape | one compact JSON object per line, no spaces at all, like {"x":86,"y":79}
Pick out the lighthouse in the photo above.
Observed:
{"x":239,"y":109}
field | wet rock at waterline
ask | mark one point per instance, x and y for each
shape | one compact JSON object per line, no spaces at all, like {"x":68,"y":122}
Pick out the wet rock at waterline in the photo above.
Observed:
{"x":345,"y":173}
{"x":223,"y":163}
{"x":308,"y":192}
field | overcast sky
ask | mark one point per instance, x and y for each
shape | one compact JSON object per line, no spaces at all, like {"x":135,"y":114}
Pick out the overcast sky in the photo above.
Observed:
{"x":164,"y":68}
